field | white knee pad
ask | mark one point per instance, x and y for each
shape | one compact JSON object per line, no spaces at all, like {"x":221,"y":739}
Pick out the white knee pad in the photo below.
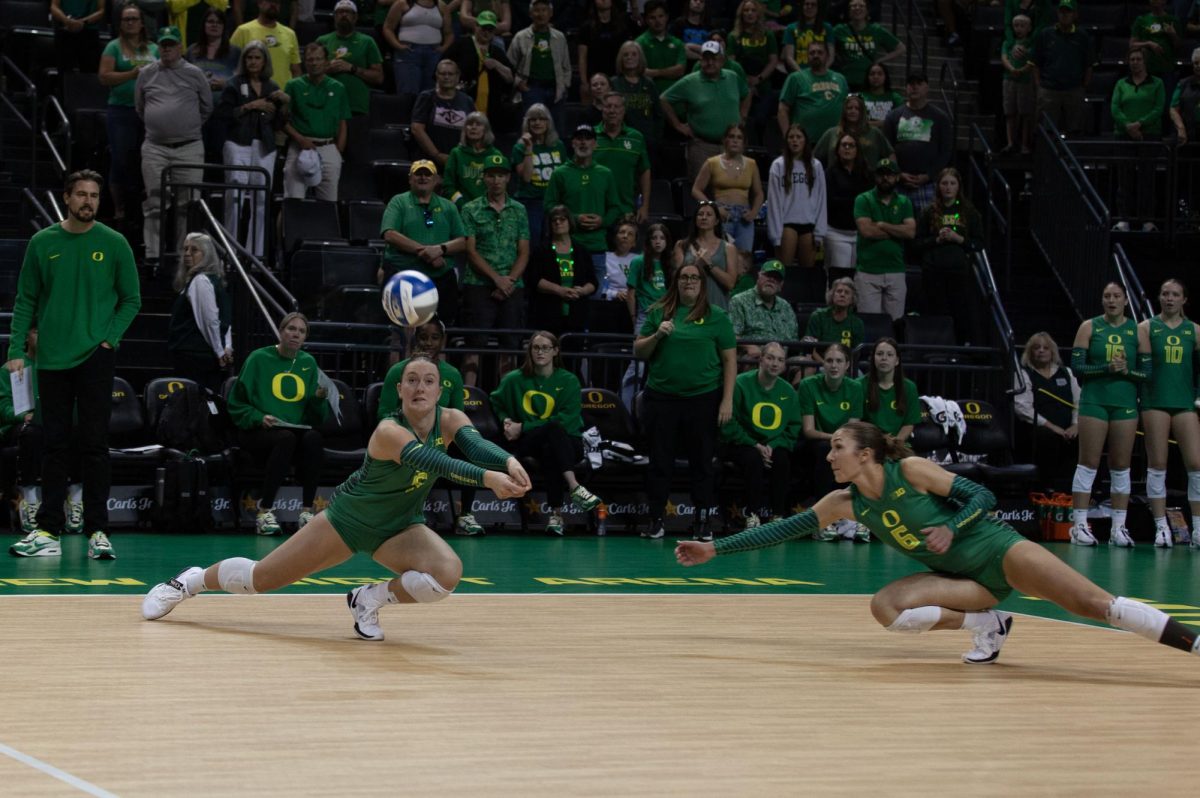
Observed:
{"x":1134,"y":616}
{"x":916,"y":620}
{"x":422,"y":587}
{"x":1156,"y":483}
{"x":236,"y":575}
{"x":1194,"y":486}
{"x":1084,"y":477}
{"x":1120,"y":481}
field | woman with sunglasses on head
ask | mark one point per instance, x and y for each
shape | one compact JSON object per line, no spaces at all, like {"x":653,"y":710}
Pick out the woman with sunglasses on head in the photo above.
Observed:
{"x":732,"y":180}
{"x":879,"y":96}
{"x":706,"y":247}
{"x":535,"y":156}
{"x":563,"y":276}
{"x":692,"y":360}
{"x":539,"y":408}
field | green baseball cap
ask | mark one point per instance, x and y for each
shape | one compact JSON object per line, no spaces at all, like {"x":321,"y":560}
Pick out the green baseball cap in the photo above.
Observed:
{"x":487,"y":19}
{"x":1068,"y":4}
{"x":496,"y":162}
{"x":886,"y":166}
{"x":772,"y":267}
{"x":169,"y":33}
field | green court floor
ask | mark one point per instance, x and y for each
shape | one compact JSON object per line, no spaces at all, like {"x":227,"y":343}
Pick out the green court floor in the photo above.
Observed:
{"x":1170,"y":579}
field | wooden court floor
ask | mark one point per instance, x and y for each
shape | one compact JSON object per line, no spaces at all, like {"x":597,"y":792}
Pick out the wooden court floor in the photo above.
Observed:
{"x":578,"y":695}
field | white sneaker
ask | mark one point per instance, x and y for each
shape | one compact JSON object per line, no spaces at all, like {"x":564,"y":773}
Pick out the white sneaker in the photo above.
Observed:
{"x":1162,"y":539}
{"x":1120,"y":537}
{"x":164,"y":596}
{"x":303,"y":518}
{"x":266,"y":525}
{"x":466,"y":524}
{"x":861,"y":534}
{"x":988,"y":643}
{"x":1082,"y":536}
{"x":753,"y":521}
{"x":1121,"y":227}
{"x":366,"y":614}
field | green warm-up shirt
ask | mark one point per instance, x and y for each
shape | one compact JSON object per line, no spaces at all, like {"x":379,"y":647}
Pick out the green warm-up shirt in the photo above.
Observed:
{"x":830,"y":409}
{"x":585,"y":189}
{"x":452,"y":388}
{"x":284,"y":387}
{"x":770,"y":417}
{"x":887,"y":416}
{"x":688,"y":361}
{"x":535,"y":401}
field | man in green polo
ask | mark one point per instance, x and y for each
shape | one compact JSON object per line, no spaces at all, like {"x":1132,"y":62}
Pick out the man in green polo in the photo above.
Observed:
{"x":319,"y":110}
{"x":422,"y":230}
{"x":354,"y":58}
{"x":497,"y":229}
{"x":712,"y":99}
{"x":623,"y":150}
{"x":666,"y":55}
{"x":589,"y":192}
{"x":885,"y":220}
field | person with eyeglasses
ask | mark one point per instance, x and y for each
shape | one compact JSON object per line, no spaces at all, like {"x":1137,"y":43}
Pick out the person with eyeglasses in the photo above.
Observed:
{"x":562,"y":273}
{"x":845,"y":179}
{"x":535,"y":156}
{"x":691,"y":355}
{"x":422,"y":231}
{"x":1185,"y":104}
{"x":538,"y":406}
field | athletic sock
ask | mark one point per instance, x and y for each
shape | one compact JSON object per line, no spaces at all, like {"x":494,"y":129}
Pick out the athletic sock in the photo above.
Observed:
{"x":193,"y":582}
{"x":1079,"y":517}
{"x":31,"y":493}
{"x":978,"y":621}
{"x":1152,"y":624}
{"x":1119,"y":518}
{"x":1161,"y":524}
{"x":75,"y":493}
{"x":380,"y":593}
{"x":1196,"y":527}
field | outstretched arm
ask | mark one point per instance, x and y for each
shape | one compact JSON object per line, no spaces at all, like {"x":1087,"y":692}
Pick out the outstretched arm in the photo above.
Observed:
{"x":481,"y":451}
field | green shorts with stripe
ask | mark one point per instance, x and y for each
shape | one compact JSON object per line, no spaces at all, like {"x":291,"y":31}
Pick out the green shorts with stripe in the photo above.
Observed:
{"x":1108,"y":412}
{"x":362,"y":538}
{"x":986,"y":553}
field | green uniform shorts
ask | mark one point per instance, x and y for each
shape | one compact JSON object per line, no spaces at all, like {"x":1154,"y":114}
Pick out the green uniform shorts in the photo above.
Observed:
{"x":1108,"y":412}
{"x":986,"y":553}
{"x":362,"y":538}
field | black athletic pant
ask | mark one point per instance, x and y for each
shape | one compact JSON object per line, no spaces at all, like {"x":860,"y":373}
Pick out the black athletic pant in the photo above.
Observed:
{"x":674,"y":424}
{"x":86,"y":391}
{"x":556,"y":452}
{"x":278,"y":450}
{"x":760,"y":479}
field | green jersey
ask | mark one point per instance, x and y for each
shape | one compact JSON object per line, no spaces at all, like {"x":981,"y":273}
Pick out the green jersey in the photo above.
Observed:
{"x":284,"y":387}
{"x":358,"y":50}
{"x":849,"y":332}
{"x":887,"y":415}
{"x":770,"y":417}
{"x":830,"y":409}
{"x":585,"y":189}
{"x":815,"y":101}
{"x":1151,"y":28}
{"x":662,"y":53}
{"x":626,"y":157}
{"x":1109,"y":389}
{"x":901,"y":512}
{"x":464,"y":173}
{"x":81,"y":290}
{"x":535,"y":401}
{"x":122,"y":93}
{"x":1172,"y":382}
{"x":688,"y":361}
{"x":383,"y":497}
{"x":453,"y":394}
{"x":317,"y":109}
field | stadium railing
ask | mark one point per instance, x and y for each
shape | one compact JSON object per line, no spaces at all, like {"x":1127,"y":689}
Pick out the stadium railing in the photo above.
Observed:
{"x":991,"y":192}
{"x":19,"y":90}
{"x":172,"y":187}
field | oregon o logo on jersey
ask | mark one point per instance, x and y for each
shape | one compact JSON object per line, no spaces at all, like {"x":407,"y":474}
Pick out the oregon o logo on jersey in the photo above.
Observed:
{"x":759,"y":411}
{"x":527,"y":404}
{"x":893,"y":405}
{"x":906,"y":539}
{"x":844,"y":405}
{"x":277,"y":389}
{"x":98,"y":256}
{"x":1173,"y":351}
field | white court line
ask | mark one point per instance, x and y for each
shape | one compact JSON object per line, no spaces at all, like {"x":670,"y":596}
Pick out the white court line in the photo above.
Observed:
{"x":61,"y":775}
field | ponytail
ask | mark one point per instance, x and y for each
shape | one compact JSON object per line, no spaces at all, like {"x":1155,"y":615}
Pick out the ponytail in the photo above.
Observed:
{"x":868,"y":436}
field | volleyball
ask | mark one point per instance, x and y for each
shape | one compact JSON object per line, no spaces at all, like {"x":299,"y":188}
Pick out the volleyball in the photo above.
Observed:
{"x":410,"y":298}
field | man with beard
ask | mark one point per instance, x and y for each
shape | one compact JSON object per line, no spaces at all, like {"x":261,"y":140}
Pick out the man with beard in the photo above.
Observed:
{"x":280,"y":40}
{"x":79,"y":285}
{"x":885,"y":219}
{"x":354,"y":58}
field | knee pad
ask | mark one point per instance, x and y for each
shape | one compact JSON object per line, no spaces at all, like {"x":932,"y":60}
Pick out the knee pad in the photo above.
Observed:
{"x":236,"y":575}
{"x":1134,"y":616}
{"x":1194,"y":486}
{"x":422,"y":587}
{"x":916,"y":620}
{"x":1084,"y":477}
{"x":1156,"y":483}
{"x":1120,"y":481}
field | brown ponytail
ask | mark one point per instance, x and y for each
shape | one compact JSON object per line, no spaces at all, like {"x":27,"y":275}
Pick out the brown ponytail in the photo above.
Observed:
{"x":868,"y":436}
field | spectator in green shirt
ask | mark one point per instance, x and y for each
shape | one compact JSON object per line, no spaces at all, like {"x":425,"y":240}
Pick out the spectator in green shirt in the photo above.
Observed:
{"x":639,"y":90}
{"x":464,"y":167}
{"x":1063,"y":56}
{"x":859,"y":42}
{"x":77,"y":34}
{"x":648,"y":276}
{"x":761,"y":312}
{"x":1137,"y":109}
{"x":590,"y":192}
{"x":319,"y":110}
{"x":890,"y":401}
{"x":711,"y":100}
{"x":666,"y":55}
{"x":354,"y":58}
{"x":836,"y":322}
{"x":884,"y":219}
{"x":535,"y":156}
{"x":1157,"y":33}
{"x":1185,"y":103}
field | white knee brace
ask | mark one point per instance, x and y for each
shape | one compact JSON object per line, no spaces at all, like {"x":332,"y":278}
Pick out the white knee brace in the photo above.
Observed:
{"x":1084,"y":477}
{"x":916,"y":620}
{"x":422,"y":587}
{"x":1120,"y":481}
{"x":236,"y":575}
{"x":1156,"y":483}
{"x":1194,"y":486}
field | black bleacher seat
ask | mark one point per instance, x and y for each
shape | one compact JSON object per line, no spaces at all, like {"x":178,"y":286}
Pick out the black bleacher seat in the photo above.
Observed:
{"x":363,"y":218}
{"x":25,"y":15}
{"x":876,"y":326}
{"x":344,"y":440}
{"x":1102,"y":18}
{"x":309,"y":220}
{"x":27,"y":35}
{"x":127,"y":429}
{"x":82,"y":92}
{"x":988,"y":18}
{"x":356,"y":182}
{"x":662,"y":198}
{"x":929,"y":331}
{"x":573,"y":115}
{"x":308,"y":32}
{"x":602,"y":409}
{"x":371,"y":404}
{"x":687,"y":203}
{"x":334,"y":282}
{"x":358,"y":304}
{"x":390,"y":178}
{"x":987,"y":435}
{"x":387,"y":144}
{"x":478,"y":408}
{"x":391,"y":109}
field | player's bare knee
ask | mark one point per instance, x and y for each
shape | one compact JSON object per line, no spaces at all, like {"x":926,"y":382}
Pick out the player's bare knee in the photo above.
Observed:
{"x":448,"y":573}
{"x":883,"y":609}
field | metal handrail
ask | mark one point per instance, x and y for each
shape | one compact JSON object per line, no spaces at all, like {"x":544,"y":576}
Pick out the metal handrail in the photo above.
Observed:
{"x":987,"y":174}
{"x":37,"y":206}
{"x":52,"y":203}
{"x":912,"y":10}
{"x":64,"y":128}
{"x":9,"y":68}
{"x":1058,"y":142}
{"x":987,"y":280}
{"x":1139,"y":303}
{"x":950,"y":105}
{"x":223,"y":240}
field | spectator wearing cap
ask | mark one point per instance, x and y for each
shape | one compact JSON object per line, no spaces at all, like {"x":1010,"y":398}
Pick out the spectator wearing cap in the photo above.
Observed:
{"x":760,"y":436}
{"x":762,"y":313}
{"x":589,"y":192}
{"x":665,"y":55}
{"x":487,"y":73}
{"x":440,"y":113}
{"x":173,"y":99}
{"x":622,"y":150}
{"x":1062,"y":58}
{"x":464,"y":169}
{"x":319,"y":110}
{"x":493,"y":293}
{"x":422,"y":230}
{"x":712,"y":99}
{"x":885,"y":219}
{"x":354,"y":58}
{"x":542,"y":61}
{"x":923,"y":138}
{"x":472,"y":14}
{"x":280,"y":40}
{"x":813,"y":96}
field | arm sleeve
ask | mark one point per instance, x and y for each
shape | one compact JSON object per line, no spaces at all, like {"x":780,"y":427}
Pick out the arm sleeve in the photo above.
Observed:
{"x":480,"y":451}
{"x":1144,"y":369}
{"x":204,"y":307}
{"x":975,"y":499}
{"x":770,"y":534}
{"x":1083,"y":369}
{"x":430,"y":460}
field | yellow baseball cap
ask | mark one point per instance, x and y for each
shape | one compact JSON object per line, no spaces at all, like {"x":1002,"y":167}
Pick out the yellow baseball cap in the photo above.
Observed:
{"x":424,"y":163}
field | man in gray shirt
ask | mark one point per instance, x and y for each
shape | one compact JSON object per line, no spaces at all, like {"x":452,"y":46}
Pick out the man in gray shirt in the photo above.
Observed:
{"x":173,"y":98}
{"x":923,"y":138}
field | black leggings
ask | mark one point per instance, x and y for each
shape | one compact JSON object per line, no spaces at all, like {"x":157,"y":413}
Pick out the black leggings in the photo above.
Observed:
{"x":687,"y":423}
{"x":759,"y":479}
{"x":556,"y":452}
{"x":278,"y":450}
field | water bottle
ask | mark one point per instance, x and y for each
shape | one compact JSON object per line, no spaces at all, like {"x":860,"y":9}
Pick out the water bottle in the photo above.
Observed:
{"x":601,"y":520}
